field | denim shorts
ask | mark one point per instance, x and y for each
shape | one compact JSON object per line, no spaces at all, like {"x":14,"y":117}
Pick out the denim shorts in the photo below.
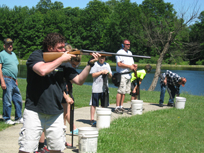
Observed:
{"x":34,"y":124}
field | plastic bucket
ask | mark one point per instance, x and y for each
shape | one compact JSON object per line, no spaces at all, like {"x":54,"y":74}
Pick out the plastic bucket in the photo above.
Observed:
{"x":180,"y":102}
{"x":103,"y":118}
{"x":137,"y":107}
{"x":103,"y":109}
{"x":88,"y":139}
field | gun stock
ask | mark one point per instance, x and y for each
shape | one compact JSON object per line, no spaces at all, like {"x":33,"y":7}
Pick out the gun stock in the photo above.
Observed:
{"x":50,"y":56}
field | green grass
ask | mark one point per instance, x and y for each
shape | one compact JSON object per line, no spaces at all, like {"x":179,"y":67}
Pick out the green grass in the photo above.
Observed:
{"x":168,"y":130}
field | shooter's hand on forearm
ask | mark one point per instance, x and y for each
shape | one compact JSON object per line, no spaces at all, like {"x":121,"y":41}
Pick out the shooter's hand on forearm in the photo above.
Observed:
{"x":68,"y":99}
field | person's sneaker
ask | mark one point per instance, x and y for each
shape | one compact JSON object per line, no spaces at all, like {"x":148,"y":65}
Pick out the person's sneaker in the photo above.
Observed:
{"x":10,"y":122}
{"x":130,"y":109}
{"x":160,"y":104}
{"x":43,"y":150}
{"x":170,"y":104}
{"x":122,"y":109}
{"x":118,"y":111}
{"x":76,"y":131}
{"x":67,"y":145}
{"x":93,"y":122}
{"x":19,"y":121}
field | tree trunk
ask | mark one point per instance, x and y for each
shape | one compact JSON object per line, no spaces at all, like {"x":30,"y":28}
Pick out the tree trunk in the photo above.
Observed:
{"x":159,"y":62}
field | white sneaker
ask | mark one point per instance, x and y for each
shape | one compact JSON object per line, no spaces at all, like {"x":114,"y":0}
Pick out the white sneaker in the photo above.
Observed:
{"x":19,"y":121}
{"x":10,"y":122}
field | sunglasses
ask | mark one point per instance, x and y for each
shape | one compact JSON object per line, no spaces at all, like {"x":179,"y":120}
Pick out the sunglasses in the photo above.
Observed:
{"x":127,"y":44}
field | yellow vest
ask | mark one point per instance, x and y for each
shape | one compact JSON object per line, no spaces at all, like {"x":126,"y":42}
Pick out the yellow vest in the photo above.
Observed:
{"x":140,"y":74}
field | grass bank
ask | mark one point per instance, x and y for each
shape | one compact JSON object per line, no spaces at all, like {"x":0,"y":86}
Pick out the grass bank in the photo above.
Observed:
{"x":169,"y":130}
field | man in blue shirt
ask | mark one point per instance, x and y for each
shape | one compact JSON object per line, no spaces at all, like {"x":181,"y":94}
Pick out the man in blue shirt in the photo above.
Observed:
{"x":8,"y":77}
{"x":173,"y":81}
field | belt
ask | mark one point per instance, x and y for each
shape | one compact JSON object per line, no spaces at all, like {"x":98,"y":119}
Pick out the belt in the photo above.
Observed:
{"x":9,"y":77}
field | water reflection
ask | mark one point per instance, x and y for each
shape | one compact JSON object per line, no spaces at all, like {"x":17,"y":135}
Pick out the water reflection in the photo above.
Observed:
{"x":193,"y":86}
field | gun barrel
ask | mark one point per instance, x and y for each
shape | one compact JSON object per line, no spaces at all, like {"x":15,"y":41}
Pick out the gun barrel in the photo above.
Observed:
{"x":109,"y":53}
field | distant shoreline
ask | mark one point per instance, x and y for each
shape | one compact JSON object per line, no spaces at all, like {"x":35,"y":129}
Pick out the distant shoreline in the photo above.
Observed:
{"x":23,"y":62}
{"x":154,"y":65}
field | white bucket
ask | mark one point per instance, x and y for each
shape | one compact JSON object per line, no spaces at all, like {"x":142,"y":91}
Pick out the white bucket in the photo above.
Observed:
{"x":88,"y":139}
{"x":180,"y":102}
{"x":103,"y":118}
{"x":103,"y":109}
{"x":137,"y":107}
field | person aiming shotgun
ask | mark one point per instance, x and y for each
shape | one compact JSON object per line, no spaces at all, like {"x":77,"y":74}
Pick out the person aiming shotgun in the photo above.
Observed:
{"x":173,"y":81}
{"x":45,"y":85}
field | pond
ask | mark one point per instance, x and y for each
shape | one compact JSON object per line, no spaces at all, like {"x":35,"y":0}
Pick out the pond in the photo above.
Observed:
{"x":194,"y":76}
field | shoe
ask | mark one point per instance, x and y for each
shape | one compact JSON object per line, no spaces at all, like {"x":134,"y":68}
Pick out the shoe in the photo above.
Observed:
{"x":10,"y":122}
{"x":122,"y":109}
{"x":130,"y":109}
{"x":118,"y":111}
{"x":76,"y":131}
{"x":160,"y":104}
{"x":93,"y":122}
{"x":170,"y":104}
{"x":43,"y":150}
{"x":19,"y":121}
{"x":67,"y":145}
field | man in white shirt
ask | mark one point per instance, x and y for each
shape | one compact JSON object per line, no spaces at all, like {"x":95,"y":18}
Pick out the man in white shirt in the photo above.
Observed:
{"x":124,"y":64}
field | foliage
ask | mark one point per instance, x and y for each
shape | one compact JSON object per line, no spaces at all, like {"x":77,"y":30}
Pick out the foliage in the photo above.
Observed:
{"x":200,"y":62}
{"x":103,"y":26}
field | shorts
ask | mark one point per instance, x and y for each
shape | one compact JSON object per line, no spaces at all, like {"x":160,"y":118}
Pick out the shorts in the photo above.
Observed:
{"x":33,"y":126}
{"x":132,"y":87}
{"x":95,"y":99}
{"x":125,"y":86}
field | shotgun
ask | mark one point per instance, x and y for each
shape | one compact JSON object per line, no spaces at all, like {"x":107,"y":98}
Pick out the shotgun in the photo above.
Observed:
{"x":50,"y":56}
{"x":161,"y":76}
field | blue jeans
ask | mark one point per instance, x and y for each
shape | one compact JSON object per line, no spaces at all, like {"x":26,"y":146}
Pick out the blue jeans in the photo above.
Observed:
{"x":11,"y":93}
{"x":162,"y":94}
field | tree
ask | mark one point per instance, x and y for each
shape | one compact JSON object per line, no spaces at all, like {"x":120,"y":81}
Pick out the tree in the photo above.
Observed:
{"x":93,"y":22}
{"x":197,"y":41}
{"x":161,"y":27}
{"x":123,"y":24}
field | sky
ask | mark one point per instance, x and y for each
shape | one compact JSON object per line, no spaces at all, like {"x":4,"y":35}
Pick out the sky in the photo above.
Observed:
{"x":179,"y":5}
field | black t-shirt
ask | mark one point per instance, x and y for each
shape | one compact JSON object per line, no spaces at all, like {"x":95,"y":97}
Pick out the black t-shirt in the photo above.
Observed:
{"x":45,"y":94}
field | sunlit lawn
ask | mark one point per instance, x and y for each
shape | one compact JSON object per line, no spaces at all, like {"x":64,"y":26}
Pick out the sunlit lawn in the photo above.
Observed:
{"x":168,"y":130}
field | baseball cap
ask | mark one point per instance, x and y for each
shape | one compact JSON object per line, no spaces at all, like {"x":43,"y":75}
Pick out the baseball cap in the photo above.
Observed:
{"x":8,"y":40}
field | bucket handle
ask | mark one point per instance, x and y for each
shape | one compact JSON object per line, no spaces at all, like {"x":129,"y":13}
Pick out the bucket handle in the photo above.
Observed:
{"x":82,"y":136}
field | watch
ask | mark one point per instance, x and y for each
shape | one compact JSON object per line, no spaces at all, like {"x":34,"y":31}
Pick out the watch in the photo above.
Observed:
{"x":91,"y":64}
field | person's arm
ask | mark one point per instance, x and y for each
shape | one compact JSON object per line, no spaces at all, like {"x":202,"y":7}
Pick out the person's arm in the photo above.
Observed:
{"x":140,"y":81}
{"x":80,"y":78}
{"x":68,"y":99}
{"x":131,"y":67}
{"x":42,"y":68}
{"x":96,"y":74}
{"x":110,"y":75}
{"x":3,"y":84}
{"x":134,"y":90}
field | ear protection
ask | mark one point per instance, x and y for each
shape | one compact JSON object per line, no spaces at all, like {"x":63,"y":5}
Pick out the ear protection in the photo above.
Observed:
{"x":122,"y":45}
